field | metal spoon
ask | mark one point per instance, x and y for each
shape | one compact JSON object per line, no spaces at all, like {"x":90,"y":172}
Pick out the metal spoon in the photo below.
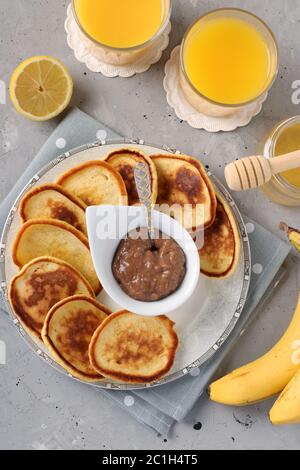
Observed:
{"x":143,"y":186}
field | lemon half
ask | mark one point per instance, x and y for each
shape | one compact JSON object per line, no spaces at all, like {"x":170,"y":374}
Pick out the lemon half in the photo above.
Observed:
{"x":41,"y":88}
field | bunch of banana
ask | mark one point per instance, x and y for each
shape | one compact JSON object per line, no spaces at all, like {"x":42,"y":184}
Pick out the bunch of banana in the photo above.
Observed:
{"x":293,"y":235}
{"x":287,"y":408}
{"x":268,"y":376}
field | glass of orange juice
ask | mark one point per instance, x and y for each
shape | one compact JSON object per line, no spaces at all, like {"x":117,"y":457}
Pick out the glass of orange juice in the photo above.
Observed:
{"x":229,"y":58}
{"x":123,"y":30}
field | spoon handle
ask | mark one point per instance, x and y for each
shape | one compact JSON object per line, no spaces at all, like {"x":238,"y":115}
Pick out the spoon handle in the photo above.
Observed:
{"x":143,"y":185}
{"x":285,"y":162}
{"x":251,"y":172}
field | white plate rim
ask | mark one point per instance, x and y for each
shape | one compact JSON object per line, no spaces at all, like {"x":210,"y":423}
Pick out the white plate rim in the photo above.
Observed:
{"x":105,"y":384}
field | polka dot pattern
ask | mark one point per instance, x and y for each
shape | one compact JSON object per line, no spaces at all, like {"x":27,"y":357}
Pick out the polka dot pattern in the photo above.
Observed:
{"x":195,"y":372}
{"x":101,"y":134}
{"x":250,"y":227}
{"x":129,"y":400}
{"x":61,"y":143}
{"x":257,"y":268}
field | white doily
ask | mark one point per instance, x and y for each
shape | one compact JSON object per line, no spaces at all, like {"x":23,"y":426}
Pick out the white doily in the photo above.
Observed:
{"x":91,"y":55}
{"x":185,"y":111}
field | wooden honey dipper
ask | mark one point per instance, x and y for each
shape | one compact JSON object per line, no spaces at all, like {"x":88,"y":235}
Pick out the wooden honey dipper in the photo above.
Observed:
{"x":251,"y":172}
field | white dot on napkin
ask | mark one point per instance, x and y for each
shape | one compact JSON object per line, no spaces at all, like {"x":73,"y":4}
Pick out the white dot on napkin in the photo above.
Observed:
{"x":250,"y":227}
{"x":61,"y":143}
{"x":101,"y":134}
{"x":129,"y":400}
{"x":257,"y":268}
{"x":195,"y":372}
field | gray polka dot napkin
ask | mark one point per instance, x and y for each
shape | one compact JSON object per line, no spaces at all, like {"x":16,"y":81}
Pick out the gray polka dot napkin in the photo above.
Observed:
{"x":159,"y":408}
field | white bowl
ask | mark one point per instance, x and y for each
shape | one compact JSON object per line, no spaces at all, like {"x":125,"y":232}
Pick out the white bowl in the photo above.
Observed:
{"x":108,"y":225}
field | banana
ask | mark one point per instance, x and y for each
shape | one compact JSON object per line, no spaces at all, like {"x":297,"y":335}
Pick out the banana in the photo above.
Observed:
{"x":264,"y":377}
{"x":293,"y":235}
{"x":287,"y":408}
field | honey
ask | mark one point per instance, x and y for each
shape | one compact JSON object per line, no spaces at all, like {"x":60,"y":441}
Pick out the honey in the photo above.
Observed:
{"x":284,"y":138}
{"x":289,"y":141}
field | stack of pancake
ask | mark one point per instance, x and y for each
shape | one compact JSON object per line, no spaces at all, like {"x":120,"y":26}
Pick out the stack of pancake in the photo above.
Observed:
{"x":54,"y":294}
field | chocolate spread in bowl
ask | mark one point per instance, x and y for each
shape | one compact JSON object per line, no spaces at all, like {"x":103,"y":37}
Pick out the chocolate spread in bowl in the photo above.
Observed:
{"x":146,"y":272}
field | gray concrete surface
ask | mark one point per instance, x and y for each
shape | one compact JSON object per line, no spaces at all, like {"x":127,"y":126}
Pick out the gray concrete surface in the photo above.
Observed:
{"x":40,"y":408}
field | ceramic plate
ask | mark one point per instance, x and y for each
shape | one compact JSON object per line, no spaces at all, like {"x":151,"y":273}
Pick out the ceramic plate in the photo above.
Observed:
{"x":203,"y":323}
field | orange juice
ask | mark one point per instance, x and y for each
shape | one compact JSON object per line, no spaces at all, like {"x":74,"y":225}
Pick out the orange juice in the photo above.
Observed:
{"x":121,"y":23}
{"x":289,"y":141}
{"x":227,"y":59}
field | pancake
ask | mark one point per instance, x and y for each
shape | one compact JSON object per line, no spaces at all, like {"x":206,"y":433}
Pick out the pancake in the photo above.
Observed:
{"x":41,"y":284}
{"x":135,"y":349}
{"x":124,"y":161}
{"x":50,"y":237}
{"x":67,"y":332}
{"x":95,"y":182}
{"x":221,"y":250}
{"x":53,"y":201}
{"x":183,"y":180}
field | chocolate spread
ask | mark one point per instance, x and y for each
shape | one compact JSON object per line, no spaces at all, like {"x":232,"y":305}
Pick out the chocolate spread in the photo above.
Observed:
{"x":146,"y":270}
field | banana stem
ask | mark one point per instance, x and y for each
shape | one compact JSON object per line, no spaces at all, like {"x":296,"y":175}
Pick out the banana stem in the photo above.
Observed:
{"x":284,"y":227}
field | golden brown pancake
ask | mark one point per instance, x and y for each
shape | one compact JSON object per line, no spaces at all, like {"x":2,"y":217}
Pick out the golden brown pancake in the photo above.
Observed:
{"x":131,"y":348}
{"x":67,"y":332}
{"x":220,"y":253}
{"x":95,"y":182}
{"x":124,"y":161}
{"x":183,"y":180}
{"x":50,"y":237}
{"x":53,"y":201}
{"x":41,"y":284}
